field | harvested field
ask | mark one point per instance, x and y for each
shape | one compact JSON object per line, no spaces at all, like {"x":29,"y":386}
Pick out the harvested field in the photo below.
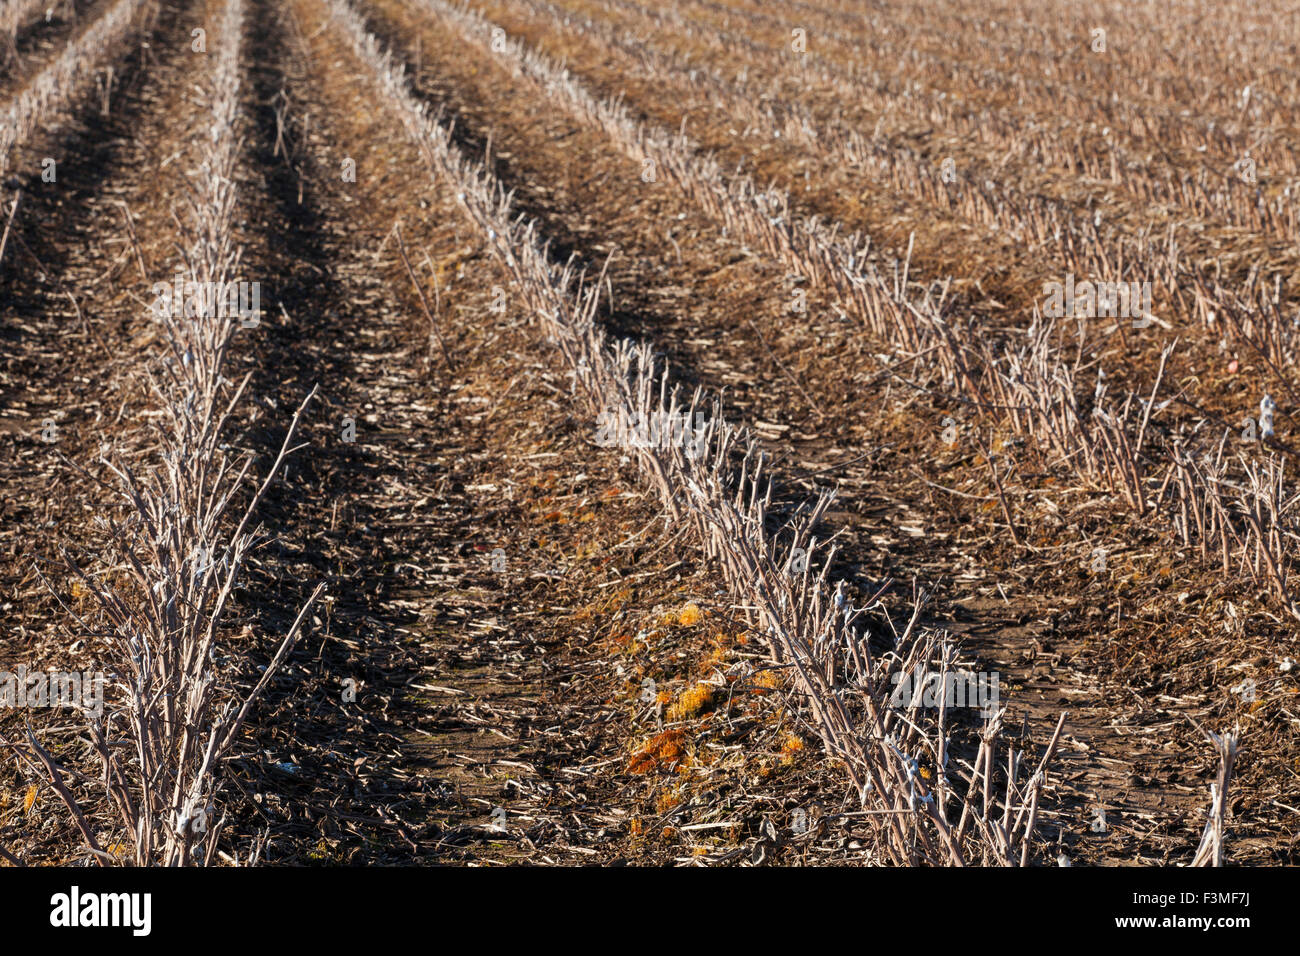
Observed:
{"x":572,"y":432}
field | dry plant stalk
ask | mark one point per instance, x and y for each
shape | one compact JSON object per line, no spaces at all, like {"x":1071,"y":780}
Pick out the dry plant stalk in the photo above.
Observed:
{"x":435,"y":329}
{"x":1210,"y":852}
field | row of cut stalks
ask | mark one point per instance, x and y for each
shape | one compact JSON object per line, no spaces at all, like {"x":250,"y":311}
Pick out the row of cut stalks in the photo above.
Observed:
{"x":1032,"y":389}
{"x":177,"y":698}
{"x":50,"y":92}
{"x":952,"y":816}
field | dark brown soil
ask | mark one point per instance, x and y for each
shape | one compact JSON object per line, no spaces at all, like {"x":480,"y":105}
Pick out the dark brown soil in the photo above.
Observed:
{"x":501,"y":671}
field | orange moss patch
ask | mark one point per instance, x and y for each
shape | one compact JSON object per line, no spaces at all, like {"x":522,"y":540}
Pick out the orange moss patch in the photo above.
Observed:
{"x":664,"y":751}
{"x":692,"y":702}
{"x":766,"y":681}
{"x":791,"y":747}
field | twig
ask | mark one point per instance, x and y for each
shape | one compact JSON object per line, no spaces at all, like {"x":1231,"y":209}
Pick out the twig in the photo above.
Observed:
{"x":424,"y":302}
